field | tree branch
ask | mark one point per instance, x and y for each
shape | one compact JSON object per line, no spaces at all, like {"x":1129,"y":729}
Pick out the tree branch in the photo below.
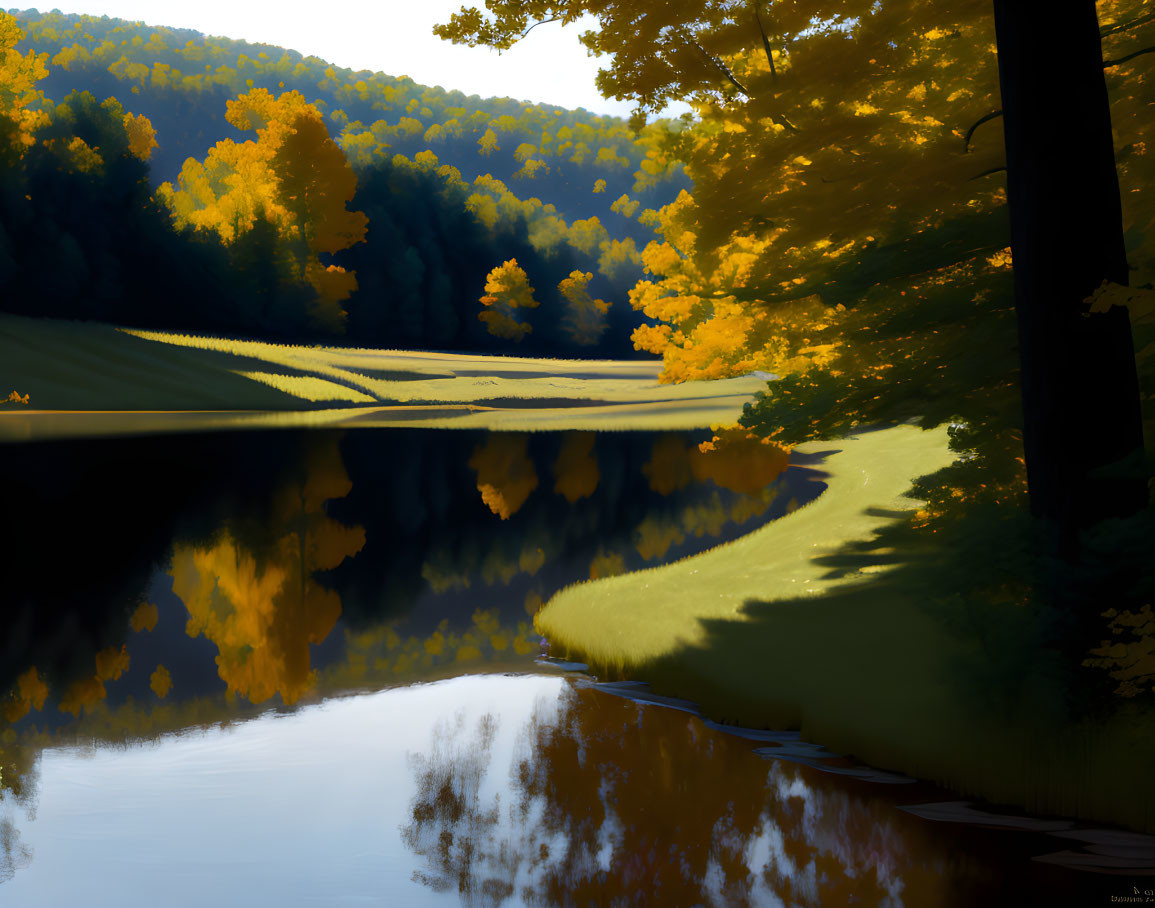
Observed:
{"x":718,"y":64}
{"x":987,"y":173}
{"x":765,"y":42}
{"x":981,"y":120}
{"x":1138,"y":53}
{"x":536,"y":24}
{"x":1125,"y":26}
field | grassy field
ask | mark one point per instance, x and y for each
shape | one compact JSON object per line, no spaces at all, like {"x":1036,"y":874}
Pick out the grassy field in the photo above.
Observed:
{"x":87,"y":378}
{"x":802,"y":625}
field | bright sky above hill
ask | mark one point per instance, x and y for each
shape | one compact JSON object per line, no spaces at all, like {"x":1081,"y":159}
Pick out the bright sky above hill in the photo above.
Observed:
{"x":392,"y":36}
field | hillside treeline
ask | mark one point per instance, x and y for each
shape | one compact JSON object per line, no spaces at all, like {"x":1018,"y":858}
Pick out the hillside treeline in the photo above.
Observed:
{"x":181,"y":204}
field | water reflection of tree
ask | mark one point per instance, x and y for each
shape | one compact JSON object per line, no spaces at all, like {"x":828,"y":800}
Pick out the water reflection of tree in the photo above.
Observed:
{"x":263,"y":608}
{"x":14,"y":854}
{"x":614,"y":804}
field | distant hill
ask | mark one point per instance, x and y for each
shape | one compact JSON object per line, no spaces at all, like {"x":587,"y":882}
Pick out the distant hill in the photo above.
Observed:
{"x":181,"y":79}
{"x":453,"y":185}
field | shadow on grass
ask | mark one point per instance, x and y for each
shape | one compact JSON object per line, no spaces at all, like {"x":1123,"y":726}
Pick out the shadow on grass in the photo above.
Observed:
{"x":940,"y":667}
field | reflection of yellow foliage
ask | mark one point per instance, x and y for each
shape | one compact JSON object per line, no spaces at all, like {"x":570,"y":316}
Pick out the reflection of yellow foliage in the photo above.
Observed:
{"x":499,"y":568}
{"x":532,"y":558}
{"x":81,"y":694}
{"x":32,"y":688}
{"x":486,"y":621}
{"x":738,"y":460}
{"x":576,"y":473}
{"x":496,"y":568}
{"x":522,"y":646}
{"x":441,"y":575}
{"x":606,"y":564}
{"x":381,"y":655}
{"x":160,"y":681}
{"x":735,"y":459}
{"x":748,"y":506}
{"x":505,"y":474}
{"x":111,"y":663}
{"x":29,"y":694}
{"x":263,"y":616}
{"x":533,"y":602}
{"x":654,"y":538}
{"x":435,"y":644}
{"x":668,"y":468}
{"x":144,"y":618}
{"x":706,"y":518}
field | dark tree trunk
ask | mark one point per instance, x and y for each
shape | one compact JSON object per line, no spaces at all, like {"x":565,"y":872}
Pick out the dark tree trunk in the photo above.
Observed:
{"x":1079,"y":384}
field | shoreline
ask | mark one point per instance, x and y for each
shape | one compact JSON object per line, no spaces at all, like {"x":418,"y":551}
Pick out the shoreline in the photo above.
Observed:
{"x":763,"y":633}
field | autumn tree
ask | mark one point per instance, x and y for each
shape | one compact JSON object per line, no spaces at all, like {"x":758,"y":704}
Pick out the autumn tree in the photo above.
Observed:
{"x":849,"y":187}
{"x":294,"y":176}
{"x":585,"y":318}
{"x":19,"y":73}
{"x":507,"y":289}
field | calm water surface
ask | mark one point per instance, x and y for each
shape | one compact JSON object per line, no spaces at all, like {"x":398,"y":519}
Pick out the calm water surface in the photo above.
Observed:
{"x":299,"y":668}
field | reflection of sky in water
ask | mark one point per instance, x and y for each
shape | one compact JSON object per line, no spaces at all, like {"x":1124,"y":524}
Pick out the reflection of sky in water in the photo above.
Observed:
{"x":319,"y":807}
{"x":481,"y":790}
{"x":282,"y":810}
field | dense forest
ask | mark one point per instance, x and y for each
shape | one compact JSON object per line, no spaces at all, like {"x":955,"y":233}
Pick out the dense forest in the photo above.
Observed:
{"x":160,"y":178}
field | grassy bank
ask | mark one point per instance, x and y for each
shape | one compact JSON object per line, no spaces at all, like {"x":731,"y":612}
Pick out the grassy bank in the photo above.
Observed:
{"x":87,"y":378}
{"x":795,"y":626}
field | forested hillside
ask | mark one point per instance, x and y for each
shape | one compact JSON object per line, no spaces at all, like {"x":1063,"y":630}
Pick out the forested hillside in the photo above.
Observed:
{"x":454,"y":189}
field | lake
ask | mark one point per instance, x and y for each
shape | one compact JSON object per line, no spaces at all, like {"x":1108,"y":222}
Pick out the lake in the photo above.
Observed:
{"x":292,"y":667}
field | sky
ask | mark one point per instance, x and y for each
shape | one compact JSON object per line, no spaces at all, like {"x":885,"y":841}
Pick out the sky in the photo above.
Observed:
{"x":395,"y":37}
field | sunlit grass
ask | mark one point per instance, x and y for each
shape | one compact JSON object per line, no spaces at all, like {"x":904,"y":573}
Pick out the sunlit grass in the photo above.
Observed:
{"x":309,"y":387}
{"x":627,"y":621}
{"x":72,"y":366}
{"x":803,"y":625}
{"x":434,"y":378}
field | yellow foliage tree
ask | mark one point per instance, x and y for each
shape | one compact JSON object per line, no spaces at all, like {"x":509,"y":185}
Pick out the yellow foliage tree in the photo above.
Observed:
{"x":507,"y":289}
{"x":585,"y":318}
{"x":141,"y":135}
{"x":19,"y":74}
{"x":487,"y":144}
{"x":294,"y":176}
